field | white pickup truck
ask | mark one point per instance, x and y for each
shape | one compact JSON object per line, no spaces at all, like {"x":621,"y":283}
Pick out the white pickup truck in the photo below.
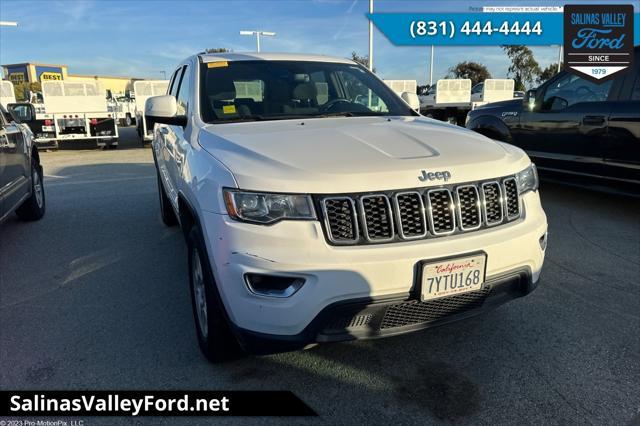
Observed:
{"x":315,"y":218}
{"x":143,"y":90}
{"x":492,"y":90}
{"x":124,"y":109}
{"x":447,"y":100}
{"x":73,"y":111}
{"x":451,"y":99}
{"x":7,"y":95}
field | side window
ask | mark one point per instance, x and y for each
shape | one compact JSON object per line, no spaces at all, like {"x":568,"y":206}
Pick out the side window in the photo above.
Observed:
{"x":184,"y":92}
{"x":357,"y":92}
{"x":319,"y":79}
{"x":572,"y":89}
{"x":20,"y":113}
{"x":175,"y":82}
{"x":171,"y":80}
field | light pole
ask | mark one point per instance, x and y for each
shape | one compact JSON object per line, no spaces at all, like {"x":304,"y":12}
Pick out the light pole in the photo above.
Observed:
{"x":8,"y":24}
{"x":258,"y":34}
{"x":370,"y":37}
{"x":431,"y":67}
{"x":559,"y":58}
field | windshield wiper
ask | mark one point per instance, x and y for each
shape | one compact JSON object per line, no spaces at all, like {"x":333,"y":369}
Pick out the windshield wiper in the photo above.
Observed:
{"x":351,"y":114}
{"x":258,"y":117}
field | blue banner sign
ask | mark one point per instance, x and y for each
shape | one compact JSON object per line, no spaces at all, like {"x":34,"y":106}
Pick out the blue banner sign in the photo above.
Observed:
{"x":479,"y":29}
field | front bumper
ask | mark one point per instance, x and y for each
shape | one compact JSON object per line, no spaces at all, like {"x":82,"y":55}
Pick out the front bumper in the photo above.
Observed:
{"x":347,"y":274}
{"x":390,"y":316}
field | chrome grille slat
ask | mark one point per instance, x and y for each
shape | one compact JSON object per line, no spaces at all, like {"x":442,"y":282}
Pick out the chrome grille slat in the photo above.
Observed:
{"x":422,"y":213}
{"x":410,"y":215}
{"x":377,"y":217}
{"x":340,"y":220}
{"x":511,"y":198}
{"x":492,"y":203}
{"x":468,"y":207}
{"x":441,"y":211}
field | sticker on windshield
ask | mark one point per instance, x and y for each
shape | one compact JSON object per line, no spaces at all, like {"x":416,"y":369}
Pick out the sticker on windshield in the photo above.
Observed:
{"x":229,"y":109}
{"x":598,"y":40}
{"x":219,"y":64}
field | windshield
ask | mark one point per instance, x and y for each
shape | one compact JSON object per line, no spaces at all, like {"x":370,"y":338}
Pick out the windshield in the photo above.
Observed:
{"x":272,"y":90}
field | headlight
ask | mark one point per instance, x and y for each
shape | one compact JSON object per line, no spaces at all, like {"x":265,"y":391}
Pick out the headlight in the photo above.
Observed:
{"x":527,"y":179}
{"x":266,"y":208}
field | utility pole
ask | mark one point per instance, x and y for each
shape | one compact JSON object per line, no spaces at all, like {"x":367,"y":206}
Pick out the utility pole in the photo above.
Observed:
{"x":431,"y":67}
{"x":560,"y":58}
{"x":370,"y":37}
{"x":258,"y":34}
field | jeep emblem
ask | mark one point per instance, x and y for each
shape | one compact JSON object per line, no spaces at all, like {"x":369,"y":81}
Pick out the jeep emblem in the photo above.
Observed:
{"x":425,"y":176}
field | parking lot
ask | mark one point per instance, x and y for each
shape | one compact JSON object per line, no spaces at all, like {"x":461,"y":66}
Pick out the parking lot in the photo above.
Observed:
{"x":95,"y":296}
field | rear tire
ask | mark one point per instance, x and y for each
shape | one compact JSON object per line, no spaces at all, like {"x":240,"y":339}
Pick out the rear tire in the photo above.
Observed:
{"x":166,"y":209}
{"x":34,"y":207}
{"x":215,"y":338}
{"x":139,"y":131}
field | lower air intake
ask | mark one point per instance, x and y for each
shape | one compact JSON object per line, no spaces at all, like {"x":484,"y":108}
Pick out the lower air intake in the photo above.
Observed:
{"x":415,"y":312}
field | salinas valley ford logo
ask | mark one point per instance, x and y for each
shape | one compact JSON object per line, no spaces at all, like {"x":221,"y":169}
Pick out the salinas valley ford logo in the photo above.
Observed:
{"x":598,"y":40}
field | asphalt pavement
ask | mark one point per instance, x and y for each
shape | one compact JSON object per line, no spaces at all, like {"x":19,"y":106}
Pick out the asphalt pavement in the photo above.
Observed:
{"x":95,"y":296}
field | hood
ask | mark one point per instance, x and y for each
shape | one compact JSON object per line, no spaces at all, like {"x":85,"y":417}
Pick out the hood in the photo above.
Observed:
{"x":354,"y":154}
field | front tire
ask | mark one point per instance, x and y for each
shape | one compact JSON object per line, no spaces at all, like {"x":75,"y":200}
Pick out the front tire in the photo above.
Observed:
{"x":34,"y":207}
{"x":215,"y":338}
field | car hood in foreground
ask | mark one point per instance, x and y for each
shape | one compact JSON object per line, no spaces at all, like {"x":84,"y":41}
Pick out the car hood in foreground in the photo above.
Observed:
{"x":349,"y":154}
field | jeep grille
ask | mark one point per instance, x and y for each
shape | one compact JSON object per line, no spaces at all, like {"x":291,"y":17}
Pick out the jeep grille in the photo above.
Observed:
{"x":388,"y":216}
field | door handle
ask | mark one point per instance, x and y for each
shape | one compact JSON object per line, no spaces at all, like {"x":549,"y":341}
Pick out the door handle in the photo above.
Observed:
{"x":593,"y":120}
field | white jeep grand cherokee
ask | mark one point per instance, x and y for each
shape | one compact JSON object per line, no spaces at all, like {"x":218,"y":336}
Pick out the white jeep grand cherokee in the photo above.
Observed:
{"x":318,"y":206}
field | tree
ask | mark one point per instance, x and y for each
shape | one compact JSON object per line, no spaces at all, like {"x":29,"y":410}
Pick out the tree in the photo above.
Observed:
{"x":362,"y":60}
{"x":217,"y":50}
{"x":21,"y":89}
{"x":548,"y":72}
{"x":472,"y":70}
{"x":524,"y":68}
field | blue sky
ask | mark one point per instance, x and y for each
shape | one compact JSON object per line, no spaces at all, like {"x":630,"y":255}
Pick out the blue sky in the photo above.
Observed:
{"x":141,"y":38}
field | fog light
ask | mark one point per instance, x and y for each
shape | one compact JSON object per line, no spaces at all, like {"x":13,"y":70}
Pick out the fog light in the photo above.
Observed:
{"x":543,"y":242}
{"x":272,"y":285}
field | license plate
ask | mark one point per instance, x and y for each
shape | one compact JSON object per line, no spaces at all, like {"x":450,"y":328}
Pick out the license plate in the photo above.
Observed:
{"x":47,"y":128}
{"x":453,"y":276}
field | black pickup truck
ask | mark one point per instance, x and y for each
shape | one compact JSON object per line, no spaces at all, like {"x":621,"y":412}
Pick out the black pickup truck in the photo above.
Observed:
{"x":574,"y":130}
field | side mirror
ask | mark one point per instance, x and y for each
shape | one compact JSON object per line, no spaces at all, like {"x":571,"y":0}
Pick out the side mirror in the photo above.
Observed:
{"x":23,"y":112}
{"x":530,"y":99}
{"x":411,"y":99}
{"x":164,"y":109}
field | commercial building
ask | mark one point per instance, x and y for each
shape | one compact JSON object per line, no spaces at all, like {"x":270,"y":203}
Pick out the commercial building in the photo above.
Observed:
{"x":34,"y":72}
